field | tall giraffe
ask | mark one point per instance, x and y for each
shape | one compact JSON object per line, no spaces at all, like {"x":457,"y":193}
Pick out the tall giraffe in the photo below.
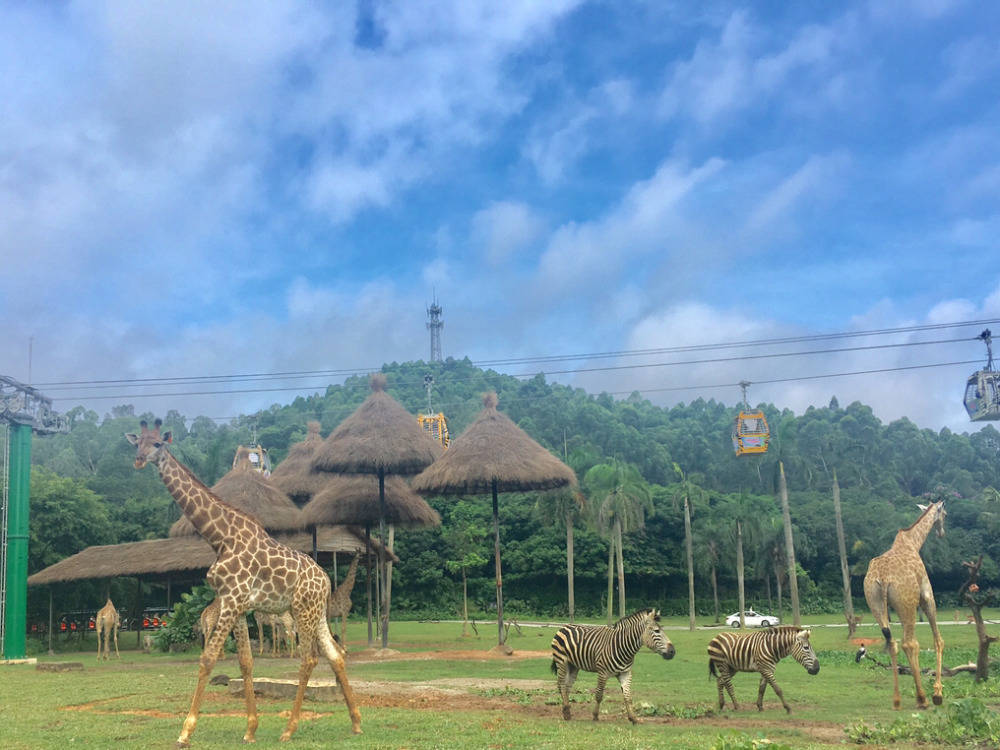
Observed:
{"x":251,"y":571}
{"x":107,"y":622}
{"x":897,"y":578}
{"x":340,"y":600}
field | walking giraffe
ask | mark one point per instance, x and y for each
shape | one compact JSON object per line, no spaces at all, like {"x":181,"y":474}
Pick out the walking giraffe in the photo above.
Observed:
{"x":107,"y":622}
{"x":340,"y":600}
{"x":897,"y":578}
{"x":729,"y":653}
{"x":251,"y":571}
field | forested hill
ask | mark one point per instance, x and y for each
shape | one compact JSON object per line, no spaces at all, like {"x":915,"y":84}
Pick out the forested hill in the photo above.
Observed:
{"x":85,"y":490}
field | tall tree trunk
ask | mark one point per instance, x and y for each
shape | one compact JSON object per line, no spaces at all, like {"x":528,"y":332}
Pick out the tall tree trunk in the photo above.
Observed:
{"x":621,"y":569}
{"x":775,"y":559}
{"x":793,"y":581}
{"x":569,"y":563}
{"x":739,"y":572}
{"x":690,"y":561}
{"x":611,"y":577}
{"x":845,"y":572}
{"x":465,"y":604}
{"x":767,"y":586}
{"x":715,"y":593}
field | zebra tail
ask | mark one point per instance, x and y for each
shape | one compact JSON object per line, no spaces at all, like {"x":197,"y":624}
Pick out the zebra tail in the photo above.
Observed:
{"x":711,"y":668}
{"x":555,"y":669}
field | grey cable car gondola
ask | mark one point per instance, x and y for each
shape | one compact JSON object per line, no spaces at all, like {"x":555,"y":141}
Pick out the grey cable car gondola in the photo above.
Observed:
{"x":982,"y":389}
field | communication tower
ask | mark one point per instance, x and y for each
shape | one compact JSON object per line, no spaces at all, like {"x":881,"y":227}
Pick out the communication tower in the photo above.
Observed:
{"x":434,"y":325}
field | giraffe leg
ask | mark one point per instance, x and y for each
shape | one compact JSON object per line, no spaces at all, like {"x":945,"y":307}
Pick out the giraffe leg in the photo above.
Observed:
{"x":207,"y":662}
{"x":245,"y":654}
{"x":117,"y":654}
{"x":930,"y":609}
{"x":625,"y":680}
{"x":877,"y":596}
{"x":335,"y":657}
{"x":100,"y":646}
{"x":912,"y":649}
{"x":602,"y":680}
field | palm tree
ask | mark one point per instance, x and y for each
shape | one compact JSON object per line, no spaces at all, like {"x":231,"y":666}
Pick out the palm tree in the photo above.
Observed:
{"x":563,"y":506}
{"x":621,"y":498}
{"x":744,"y":514}
{"x":688,"y":493}
{"x":706,"y":539}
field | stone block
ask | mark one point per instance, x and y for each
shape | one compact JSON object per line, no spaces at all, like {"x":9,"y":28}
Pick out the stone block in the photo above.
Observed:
{"x":316,"y":690}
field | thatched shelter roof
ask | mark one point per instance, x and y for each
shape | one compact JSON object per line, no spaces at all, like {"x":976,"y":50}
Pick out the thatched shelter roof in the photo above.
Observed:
{"x":353,"y":498}
{"x":294,"y":475}
{"x":253,"y":493}
{"x":493,"y":448}
{"x":379,"y":436}
{"x":187,"y":553}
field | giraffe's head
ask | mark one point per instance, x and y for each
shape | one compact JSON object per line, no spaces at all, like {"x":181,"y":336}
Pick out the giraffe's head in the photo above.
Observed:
{"x":939,"y":512}
{"x":803,"y":652}
{"x":654,"y":638}
{"x":149,"y":444}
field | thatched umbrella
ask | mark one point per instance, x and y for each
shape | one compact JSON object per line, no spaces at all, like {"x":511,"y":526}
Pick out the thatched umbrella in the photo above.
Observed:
{"x":493,"y":455}
{"x":354,"y":498}
{"x":294,"y":475}
{"x":379,"y":438}
{"x":251,"y":492}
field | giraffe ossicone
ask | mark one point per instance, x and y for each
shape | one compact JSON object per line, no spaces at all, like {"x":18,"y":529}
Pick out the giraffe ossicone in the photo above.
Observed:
{"x":251,"y":571}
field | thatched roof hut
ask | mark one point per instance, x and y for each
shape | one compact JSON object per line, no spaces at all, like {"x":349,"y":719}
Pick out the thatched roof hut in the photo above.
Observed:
{"x":253,"y":493}
{"x":379,"y":437}
{"x":494,"y":455}
{"x":353,"y":498}
{"x":294,"y":475}
{"x":493,"y":448}
{"x":180,"y":554}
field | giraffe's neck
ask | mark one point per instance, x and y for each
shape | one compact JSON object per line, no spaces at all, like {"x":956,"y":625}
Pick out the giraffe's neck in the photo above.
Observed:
{"x":203,"y":509}
{"x":915,"y":536}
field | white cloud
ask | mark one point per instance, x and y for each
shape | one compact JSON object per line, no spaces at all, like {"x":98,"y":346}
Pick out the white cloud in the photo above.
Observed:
{"x":504,"y":229}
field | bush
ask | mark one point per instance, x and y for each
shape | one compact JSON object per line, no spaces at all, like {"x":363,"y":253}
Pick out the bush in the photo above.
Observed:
{"x":966,"y":721}
{"x":180,"y":627}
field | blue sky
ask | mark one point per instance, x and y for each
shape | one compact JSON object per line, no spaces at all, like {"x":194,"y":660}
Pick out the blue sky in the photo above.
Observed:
{"x":204,"y":188}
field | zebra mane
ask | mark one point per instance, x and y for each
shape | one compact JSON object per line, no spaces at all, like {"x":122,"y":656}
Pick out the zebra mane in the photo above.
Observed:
{"x":638,"y":615}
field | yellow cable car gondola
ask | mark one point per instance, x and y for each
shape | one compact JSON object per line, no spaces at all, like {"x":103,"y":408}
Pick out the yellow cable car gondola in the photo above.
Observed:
{"x":434,"y":424}
{"x":750,"y":431}
{"x":254,"y":455}
{"x":982,"y":389}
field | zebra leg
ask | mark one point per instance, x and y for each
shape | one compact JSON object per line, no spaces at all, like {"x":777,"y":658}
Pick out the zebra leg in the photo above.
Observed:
{"x":602,"y":680}
{"x":768,"y":679}
{"x":760,"y":692}
{"x":571,"y":673}
{"x":561,"y":677}
{"x":625,"y":680}
{"x":726,"y":679}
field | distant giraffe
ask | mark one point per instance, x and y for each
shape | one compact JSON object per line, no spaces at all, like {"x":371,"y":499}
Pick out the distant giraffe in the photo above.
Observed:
{"x":107,"y":622}
{"x":251,"y":571}
{"x":282,"y":632}
{"x":282,"y":628}
{"x":340,"y":604}
{"x":897,"y":578}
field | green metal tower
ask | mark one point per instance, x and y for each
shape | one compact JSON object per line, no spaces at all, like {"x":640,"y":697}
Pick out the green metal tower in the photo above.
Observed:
{"x":23,"y":410}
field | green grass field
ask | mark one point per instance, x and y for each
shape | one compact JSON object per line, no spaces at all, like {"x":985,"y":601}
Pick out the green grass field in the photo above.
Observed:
{"x":432,"y":696}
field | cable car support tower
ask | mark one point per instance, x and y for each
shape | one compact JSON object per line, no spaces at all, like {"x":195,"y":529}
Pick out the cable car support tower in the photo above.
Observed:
{"x":23,"y":410}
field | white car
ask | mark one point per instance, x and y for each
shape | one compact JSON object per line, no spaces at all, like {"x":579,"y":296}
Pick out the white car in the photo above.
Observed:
{"x":753,"y":619}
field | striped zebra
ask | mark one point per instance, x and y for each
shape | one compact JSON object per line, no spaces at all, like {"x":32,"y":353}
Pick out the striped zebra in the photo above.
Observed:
{"x":607,"y":651}
{"x":729,"y":653}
